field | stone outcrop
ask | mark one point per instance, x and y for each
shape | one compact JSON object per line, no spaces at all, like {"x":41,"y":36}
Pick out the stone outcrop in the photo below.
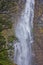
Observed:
{"x":38,"y":30}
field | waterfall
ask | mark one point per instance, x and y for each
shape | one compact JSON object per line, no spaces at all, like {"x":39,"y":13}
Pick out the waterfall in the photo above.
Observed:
{"x":23,"y":50}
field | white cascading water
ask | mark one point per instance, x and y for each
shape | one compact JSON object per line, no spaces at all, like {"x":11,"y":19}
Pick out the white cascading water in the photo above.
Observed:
{"x":23,"y":50}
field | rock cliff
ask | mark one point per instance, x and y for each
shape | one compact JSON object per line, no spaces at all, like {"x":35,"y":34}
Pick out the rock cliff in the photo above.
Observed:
{"x":38,"y":30}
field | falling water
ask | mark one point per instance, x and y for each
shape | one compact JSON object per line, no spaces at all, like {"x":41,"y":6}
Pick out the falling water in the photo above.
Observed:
{"x":23,"y":51}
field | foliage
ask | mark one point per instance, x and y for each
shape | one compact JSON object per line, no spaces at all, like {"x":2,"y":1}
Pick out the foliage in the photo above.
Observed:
{"x":5,"y":24}
{"x":5,"y":5}
{"x":10,"y":38}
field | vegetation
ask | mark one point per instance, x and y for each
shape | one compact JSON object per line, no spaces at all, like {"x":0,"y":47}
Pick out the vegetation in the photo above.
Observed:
{"x":5,"y":37}
{"x":7,"y":5}
{"x":4,"y":25}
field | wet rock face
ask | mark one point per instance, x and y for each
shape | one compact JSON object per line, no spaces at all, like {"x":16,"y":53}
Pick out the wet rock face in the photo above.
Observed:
{"x":41,"y":1}
{"x":38,"y":30}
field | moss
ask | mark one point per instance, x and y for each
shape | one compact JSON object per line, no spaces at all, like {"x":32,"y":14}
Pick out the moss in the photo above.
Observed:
{"x":11,"y":38}
{"x":4,"y":24}
{"x":5,"y":62}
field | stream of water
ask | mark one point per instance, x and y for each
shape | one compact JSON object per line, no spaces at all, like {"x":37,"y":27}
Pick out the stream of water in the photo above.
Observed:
{"x":23,"y":50}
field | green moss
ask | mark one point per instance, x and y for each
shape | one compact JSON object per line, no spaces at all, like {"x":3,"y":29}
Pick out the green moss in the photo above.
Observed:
{"x":6,"y":24}
{"x":5,"y":5}
{"x":5,"y":62}
{"x":10,"y":38}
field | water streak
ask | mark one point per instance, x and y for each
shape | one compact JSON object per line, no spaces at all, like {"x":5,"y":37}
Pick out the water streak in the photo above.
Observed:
{"x":23,"y":51}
